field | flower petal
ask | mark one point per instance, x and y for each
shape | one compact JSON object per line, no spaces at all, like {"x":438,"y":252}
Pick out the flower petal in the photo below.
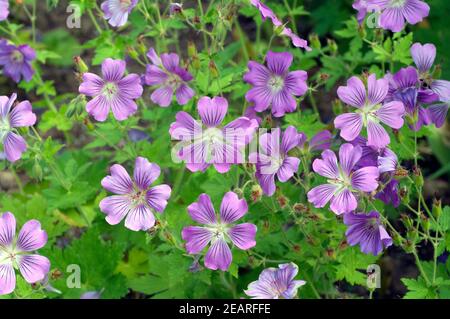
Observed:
{"x":113,"y":70}
{"x":392,"y":19}
{"x":145,"y":173}
{"x":92,"y":84}
{"x":349,"y":155}
{"x":122,"y":108}
{"x":391,"y":114}
{"x":423,"y":56}
{"x":327,"y":166}
{"x":116,"y":208}
{"x":157,"y":197}
{"x":140,"y":218}
{"x":31,"y":236}
{"x":218,"y":256}
{"x":354,"y":93}
{"x":366,"y":179}
{"x":184,"y":94}
{"x":33,"y":268}
{"x":154,"y":75}
{"x":7,"y":229}
{"x":130,"y":87}
{"x":258,"y":74}
{"x":438,"y":113}
{"x":162,"y":96}
{"x":22,"y":115}
{"x":267,"y":183}
{"x":320,"y":195}
{"x":232,"y":208}
{"x":350,"y":125}
{"x":279,"y":62}
{"x":212,"y":111}
{"x":291,"y":139}
{"x":283,"y":102}
{"x":196,"y":238}
{"x":119,"y":182}
{"x":377,"y":89}
{"x":98,"y":107}
{"x":202,"y":211}
{"x":288,"y":169}
{"x":243,"y":235}
{"x":7,"y":279}
{"x":377,"y":135}
{"x":14,"y":145}
{"x":415,"y":10}
{"x":261,"y":96}
{"x":185,"y":127}
{"x":295,"y":82}
{"x":343,"y":202}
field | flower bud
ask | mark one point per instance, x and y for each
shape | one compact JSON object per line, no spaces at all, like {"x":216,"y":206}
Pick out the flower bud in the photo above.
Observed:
{"x":437,"y":208}
{"x":300,"y":208}
{"x":406,"y":221}
{"x":418,"y":177}
{"x":330,"y":253}
{"x":213,"y":69}
{"x":425,"y":223}
{"x":256,"y":193}
{"x":133,"y":53}
{"x":37,"y":171}
{"x":80,"y":65}
{"x":315,"y":41}
{"x":175,"y":8}
{"x":409,"y":246}
{"x":404,"y":195}
{"x":192,"y":49}
{"x":282,"y":201}
{"x":400,"y":172}
{"x":239,"y":192}
{"x":333,"y":46}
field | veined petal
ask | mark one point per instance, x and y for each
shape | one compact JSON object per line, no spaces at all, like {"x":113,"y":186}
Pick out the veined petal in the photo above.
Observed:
{"x":22,"y":115}
{"x":202,"y":211}
{"x":391,"y":114}
{"x":423,"y":56}
{"x":162,"y":96}
{"x":288,"y":169}
{"x":232,"y":208}
{"x":279,"y":62}
{"x":113,"y":70}
{"x":392,"y":19}
{"x":7,"y":229}
{"x":212,"y":111}
{"x":31,"y":236}
{"x":130,"y":87}
{"x":354,"y":93}
{"x":119,"y":182}
{"x":7,"y":279}
{"x":366,"y":179}
{"x":349,"y":155}
{"x":14,"y":145}
{"x":33,"y":268}
{"x":196,"y":238}
{"x":218,"y":256}
{"x":377,"y":135}
{"x":116,"y":208}
{"x":377,"y":89}
{"x":140,"y":218}
{"x":350,"y":125}
{"x":343,"y":202}
{"x":320,"y":195}
{"x":157,"y":197}
{"x":327,"y":166}
{"x":98,"y":107}
{"x":92,"y":84}
{"x":258,"y":74}
{"x":145,"y":173}
{"x":243,"y":235}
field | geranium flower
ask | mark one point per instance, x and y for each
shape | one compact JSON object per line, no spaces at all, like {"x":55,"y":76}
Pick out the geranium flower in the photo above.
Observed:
{"x":16,"y":61}
{"x":208,"y":143}
{"x":117,"y":11}
{"x":4,"y":9}
{"x":362,"y":8}
{"x":218,"y":231}
{"x":135,"y":200}
{"x":274,"y":85}
{"x":395,"y":12}
{"x":113,"y":91}
{"x":276,"y":283}
{"x":367,"y":231}
{"x":266,"y":12}
{"x":12,"y":118}
{"x":165,"y":73}
{"x":343,"y":180}
{"x":370,"y":111}
{"x":424,"y":57}
{"x":16,"y":252}
{"x":404,"y":86}
{"x":273,"y":159}
{"x":387,"y":162}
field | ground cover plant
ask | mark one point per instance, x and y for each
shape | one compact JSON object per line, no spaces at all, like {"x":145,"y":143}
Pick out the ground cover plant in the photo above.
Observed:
{"x":224,"y":149}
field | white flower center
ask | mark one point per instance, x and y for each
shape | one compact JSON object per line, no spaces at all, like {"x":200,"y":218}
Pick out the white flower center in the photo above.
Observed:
{"x":344,"y":181}
{"x":110,"y":90}
{"x":125,"y":4}
{"x":5,"y":128}
{"x":8,"y":255}
{"x":276,"y":83}
{"x":218,"y":231}
{"x":369,"y":113}
{"x":17,"y":56}
{"x":213,"y":138}
{"x":397,"y":3}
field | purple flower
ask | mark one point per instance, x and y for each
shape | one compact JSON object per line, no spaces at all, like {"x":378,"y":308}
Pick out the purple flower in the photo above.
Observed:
{"x":266,"y":12}
{"x":175,"y":8}
{"x":135,"y":199}
{"x":117,"y":11}
{"x":362,"y":8}
{"x":343,"y":179}
{"x":165,"y":73}
{"x":218,"y":231}
{"x":404,"y":86}
{"x":370,"y":111}
{"x":16,"y":61}
{"x":319,"y":142}
{"x":16,"y":252}
{"x":276,"y":283}
{"x":424,"y":56}
{"x":367,"y":231}
{"x":273,"y":159}
{"x":275,"y":85}
{"x":208,"y":142}
{"x":395,"y":12}
{"x":387,"y":162}
{"x":12,"y":118}
{"x":4,"y":9}
{"x":113,"y":91}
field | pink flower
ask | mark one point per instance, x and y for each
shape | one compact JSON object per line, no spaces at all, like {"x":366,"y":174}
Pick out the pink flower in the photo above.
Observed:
{"x":17,"y":252}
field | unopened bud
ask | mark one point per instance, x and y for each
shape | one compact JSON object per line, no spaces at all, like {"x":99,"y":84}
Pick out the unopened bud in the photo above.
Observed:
{"x":80,"y":65}
{"x":133,"y":53}
{"x":315,"y":41}
{"x":418,"y":177}
{"x":37,"y":171}
{"x":333,"y":46}
{"x":300,"y":208}
{"x":401,"y":172}
{"x":256,"y":193}
{"x":213,"y":69}
{"x":175,"y":8}
{"x":282,"y":201}
{"x":192,"y":49}
{"x":437,"y":208}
